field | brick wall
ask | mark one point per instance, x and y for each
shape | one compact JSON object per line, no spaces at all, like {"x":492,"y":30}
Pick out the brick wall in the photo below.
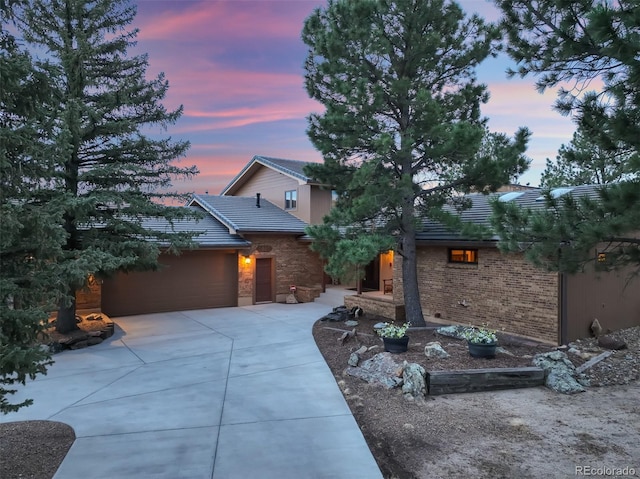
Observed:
{"x":294,"y":262}
{"x":504,"y":291}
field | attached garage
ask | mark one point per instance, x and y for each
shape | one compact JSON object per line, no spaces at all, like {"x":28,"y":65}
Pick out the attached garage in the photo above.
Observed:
{"x":194,"y":280}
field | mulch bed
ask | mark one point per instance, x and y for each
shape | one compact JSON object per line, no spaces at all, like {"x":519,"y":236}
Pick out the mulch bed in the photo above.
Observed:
{"x":390,"y":424}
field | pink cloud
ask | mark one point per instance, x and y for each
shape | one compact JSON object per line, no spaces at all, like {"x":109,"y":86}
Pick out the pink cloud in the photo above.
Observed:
{"x":223,"y":19}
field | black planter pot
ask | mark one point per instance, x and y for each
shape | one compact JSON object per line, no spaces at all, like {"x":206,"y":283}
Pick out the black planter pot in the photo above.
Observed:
{"x":482,"y":350}
{"x":396,"y":345}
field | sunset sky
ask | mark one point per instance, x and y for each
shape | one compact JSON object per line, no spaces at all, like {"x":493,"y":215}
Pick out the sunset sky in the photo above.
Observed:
{"x":237,"y":68}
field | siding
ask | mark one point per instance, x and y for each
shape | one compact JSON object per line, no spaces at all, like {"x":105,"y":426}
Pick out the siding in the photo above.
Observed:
{"x":319,"y":205}
{"x":612,"y":297}
{"x":271,"y":185}
{"x":313,"y":202}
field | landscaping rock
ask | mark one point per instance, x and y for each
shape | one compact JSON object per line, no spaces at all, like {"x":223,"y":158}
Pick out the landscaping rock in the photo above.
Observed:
{"x":560,"y":373}
{"x":596,"y":329}
{"x":354,"y":359}
{"x":414,"y":385}
{"x":339,"y":313}
{"x":451,"y":331}
{"x":380,"y":369}
{"x":501,"y":350}
{"x":435,"y":350}
{"x":609,"y":342}
{"x":351,"y":323}
{"x":79,"y":345}
{"x":362,"y":350}
{"x":93,"y":340}
{"x":55,"y":347}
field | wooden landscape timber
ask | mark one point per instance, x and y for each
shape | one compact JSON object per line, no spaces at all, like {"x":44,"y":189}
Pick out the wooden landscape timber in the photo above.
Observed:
{"x":472,"y":380}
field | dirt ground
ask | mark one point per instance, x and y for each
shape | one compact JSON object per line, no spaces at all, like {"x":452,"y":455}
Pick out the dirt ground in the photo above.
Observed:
{"x":520,"y":433}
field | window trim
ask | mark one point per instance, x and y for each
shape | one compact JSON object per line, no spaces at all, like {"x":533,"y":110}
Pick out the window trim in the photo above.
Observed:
{"x":291,"y":199}
{"x":464,"y":255}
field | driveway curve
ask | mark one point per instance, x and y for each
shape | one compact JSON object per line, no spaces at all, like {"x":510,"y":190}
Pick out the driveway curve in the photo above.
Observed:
{"x":220,"y":393}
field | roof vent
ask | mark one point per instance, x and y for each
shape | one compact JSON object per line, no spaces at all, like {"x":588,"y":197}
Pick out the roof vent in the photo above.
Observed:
{"x":257,"y":200}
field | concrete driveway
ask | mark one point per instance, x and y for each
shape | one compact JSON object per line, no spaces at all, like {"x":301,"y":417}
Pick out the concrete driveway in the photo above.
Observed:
{"x":219,"y":393}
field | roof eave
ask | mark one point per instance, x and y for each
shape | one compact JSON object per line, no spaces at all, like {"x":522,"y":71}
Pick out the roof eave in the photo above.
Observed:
{"x":458,"y":243}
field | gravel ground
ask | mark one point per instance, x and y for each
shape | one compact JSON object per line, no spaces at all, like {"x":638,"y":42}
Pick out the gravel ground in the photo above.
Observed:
{"x":33,"y":449}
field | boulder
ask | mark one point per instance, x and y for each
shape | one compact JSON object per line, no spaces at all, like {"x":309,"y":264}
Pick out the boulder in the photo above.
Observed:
{"x":609,"y":342}
{"x":560,"y":373}
{"x":414,"y":385}
{"x":451,"y":331}
{"x":381,"y":369}
{"x":435,"y":350}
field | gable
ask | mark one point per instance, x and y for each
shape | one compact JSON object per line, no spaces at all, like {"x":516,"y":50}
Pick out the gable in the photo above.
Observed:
{"x":292,"y":169}
{"x":269,"y":183}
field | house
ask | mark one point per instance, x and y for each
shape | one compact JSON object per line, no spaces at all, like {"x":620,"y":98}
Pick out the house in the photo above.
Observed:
{"x":469,"y":281}
{"x":252,"y":248}
{"x":283,"y":183}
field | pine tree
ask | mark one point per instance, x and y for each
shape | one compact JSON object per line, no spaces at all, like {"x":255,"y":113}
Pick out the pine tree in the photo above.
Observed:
{"x":30,"y":236}
{"x":590,"y":49}
{"x":402,"y":131}
{"x":110,"y":173}
{"x":584,"y":162}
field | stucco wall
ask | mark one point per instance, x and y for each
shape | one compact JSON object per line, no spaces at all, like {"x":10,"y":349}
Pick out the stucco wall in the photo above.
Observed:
{"x":504,"y":291}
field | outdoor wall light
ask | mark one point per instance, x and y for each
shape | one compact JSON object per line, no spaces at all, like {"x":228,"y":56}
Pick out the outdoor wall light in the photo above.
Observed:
{"x":247,"y":260}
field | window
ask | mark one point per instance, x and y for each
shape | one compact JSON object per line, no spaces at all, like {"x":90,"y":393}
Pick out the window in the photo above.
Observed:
{"x":463,"y":256}
{"x":290,"y":200}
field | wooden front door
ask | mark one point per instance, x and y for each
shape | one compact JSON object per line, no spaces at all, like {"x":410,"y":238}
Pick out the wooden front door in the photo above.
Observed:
{"x":264,"y":290}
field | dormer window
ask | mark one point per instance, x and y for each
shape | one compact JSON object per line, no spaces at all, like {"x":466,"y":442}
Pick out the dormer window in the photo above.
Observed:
{"x":290,"y":200}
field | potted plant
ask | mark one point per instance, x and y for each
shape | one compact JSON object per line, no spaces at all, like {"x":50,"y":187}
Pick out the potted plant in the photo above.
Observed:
{"x":482,"y":341}
{"x":394,"y":337}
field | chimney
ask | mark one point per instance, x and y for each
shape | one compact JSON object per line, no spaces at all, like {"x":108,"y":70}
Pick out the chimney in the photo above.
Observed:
{"x":257,"y":200}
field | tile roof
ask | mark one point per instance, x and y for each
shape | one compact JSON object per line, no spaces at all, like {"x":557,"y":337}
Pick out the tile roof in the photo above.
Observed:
{"x":292,"y":168}
{"x":480,"y":211}
{"x":213,"y":234}
{"x":240,"y":214}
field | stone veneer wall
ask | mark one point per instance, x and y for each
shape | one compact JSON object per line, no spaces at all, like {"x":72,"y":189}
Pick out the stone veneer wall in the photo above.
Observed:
{"x":504,"y":291}
{"x":389,"y":310}
{"x":294,"y":262}
{"x":90,"y":298}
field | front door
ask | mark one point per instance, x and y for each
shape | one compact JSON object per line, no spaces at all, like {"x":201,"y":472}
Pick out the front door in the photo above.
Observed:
{"x":371,"y":281}
{"x":264,"y":290}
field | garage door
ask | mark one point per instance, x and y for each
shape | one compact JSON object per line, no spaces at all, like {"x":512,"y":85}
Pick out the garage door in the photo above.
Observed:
{"x":193,"y":280}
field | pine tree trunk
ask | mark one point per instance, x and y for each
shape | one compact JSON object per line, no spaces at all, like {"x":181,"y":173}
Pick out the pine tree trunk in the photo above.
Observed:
{"x":412,"y":306}
{"x":66,"y":320}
